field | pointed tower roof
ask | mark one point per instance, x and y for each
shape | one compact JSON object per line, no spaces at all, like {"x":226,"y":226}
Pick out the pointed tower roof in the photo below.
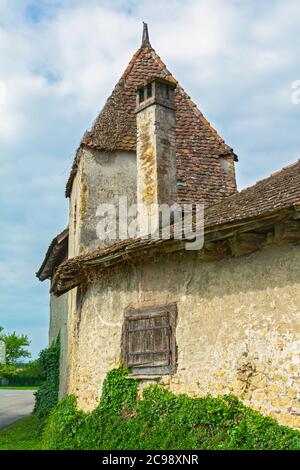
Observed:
{"x":198,"y":145}
{"x":145,"y":38}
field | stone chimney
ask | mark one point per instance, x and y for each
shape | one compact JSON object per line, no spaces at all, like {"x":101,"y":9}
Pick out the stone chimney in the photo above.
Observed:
{"x":156,"y":148}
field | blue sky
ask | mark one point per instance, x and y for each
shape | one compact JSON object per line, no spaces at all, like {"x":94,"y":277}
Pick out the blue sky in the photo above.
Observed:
{"x":60,"y":59}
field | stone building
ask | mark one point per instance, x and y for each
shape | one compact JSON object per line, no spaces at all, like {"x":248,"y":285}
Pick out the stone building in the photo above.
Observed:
{"x":220,"y":319}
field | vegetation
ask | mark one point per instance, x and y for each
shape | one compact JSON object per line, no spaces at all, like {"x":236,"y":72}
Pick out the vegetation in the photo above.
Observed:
{"x":29,"y":375}
{"x":26,"y":434}
{"x":29,"y":387}
{"x":22,"y":435}
{"x":162,"y":420}
{"x":14,"y":346}
{"x":47,"y":395}
{"x":158,"y":420}
{"x":14,"y":373}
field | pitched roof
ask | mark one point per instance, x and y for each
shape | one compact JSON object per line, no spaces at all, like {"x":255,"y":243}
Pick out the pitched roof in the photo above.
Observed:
{"x":279,"y":191}
{"x":267,"y":197}
{"x":55,"y":255}
{"x":198,"y":145}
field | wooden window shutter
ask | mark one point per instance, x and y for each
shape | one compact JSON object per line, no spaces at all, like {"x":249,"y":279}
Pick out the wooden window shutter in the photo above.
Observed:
{"x":149,"y":339}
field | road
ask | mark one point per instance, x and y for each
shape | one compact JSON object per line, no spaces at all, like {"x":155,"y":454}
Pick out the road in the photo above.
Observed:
{"x":15,"y":404}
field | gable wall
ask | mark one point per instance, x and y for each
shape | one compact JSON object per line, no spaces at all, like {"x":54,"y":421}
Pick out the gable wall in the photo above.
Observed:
{"x":237,"y":330}
{"x":101,"y":179}
{"x":58,"y":326}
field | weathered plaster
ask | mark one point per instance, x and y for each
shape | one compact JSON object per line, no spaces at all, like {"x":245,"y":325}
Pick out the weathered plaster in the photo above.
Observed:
{"x":58,"y":326}
{"x":101,"y":179}
{"x":74,"y":216}
{"x":237,"y":331}
{"x":156,"y":155}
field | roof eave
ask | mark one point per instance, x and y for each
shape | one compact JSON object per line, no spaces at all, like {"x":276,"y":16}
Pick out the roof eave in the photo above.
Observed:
{"x":132,"y":249}
{"x":55,"y":254}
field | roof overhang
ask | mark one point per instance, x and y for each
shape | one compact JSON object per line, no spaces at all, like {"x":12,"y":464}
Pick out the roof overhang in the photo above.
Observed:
{"x":263,"y":214}
{"x":56,"y":253}
{"x":229,"y":239}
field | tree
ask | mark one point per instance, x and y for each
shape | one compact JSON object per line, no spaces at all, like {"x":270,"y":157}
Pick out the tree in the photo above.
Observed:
{"x":15,"y":346}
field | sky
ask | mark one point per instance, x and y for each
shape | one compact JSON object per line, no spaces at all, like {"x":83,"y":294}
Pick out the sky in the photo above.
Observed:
{"x":59,"y":61}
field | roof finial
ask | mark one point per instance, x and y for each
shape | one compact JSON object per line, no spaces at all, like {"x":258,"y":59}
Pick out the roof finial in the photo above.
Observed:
{"x":145,"y":39}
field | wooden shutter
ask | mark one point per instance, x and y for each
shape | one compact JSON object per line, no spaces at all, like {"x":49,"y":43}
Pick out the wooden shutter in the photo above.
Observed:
{"x":149,"y":339}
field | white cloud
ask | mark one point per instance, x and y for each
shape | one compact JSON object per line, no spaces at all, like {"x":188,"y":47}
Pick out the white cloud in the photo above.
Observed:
{"x":59,"y":60}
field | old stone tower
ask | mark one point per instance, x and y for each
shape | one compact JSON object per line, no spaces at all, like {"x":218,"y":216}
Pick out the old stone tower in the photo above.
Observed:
{"x":221,"y":319}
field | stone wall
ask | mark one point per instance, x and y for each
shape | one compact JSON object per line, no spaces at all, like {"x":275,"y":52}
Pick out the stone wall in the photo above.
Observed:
{"x":237,"y":330}
{"x":101,"y":179}
{"x":58,"y":325}
{"x":156,"y":155}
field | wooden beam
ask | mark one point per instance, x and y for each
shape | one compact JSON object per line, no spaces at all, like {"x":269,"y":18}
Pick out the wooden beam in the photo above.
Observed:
{"x":245,"y":243}
{"x":287,"y":231}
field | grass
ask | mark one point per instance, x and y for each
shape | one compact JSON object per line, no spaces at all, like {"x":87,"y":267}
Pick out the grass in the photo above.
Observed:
{"x":7,"y":387}
{"x":21,"y":435}
{"x":159,"y":420}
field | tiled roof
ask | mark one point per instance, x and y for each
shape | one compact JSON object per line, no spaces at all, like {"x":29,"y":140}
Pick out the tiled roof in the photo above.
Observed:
{"x":278,"y":191}
{"x":268,"y":197}
{"x":198,"y":145}
{"x":56,"y":252}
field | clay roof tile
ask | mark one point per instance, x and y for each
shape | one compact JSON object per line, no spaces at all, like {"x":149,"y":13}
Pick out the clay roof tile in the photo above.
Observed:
{"x":198,"y":145}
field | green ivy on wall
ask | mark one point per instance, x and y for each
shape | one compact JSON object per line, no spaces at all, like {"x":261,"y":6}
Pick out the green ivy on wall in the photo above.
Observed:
{"x":162,"y":420}
{"x":46,"y":398}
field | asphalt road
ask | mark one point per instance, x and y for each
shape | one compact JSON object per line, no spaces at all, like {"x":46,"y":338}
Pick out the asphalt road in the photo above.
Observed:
{"x":15,"y":404}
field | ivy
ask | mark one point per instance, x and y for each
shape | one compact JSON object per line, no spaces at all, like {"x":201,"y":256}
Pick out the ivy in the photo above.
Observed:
{"x":162,"y":420}
{"x":46,"y":398}
{"x":119,"y":392}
